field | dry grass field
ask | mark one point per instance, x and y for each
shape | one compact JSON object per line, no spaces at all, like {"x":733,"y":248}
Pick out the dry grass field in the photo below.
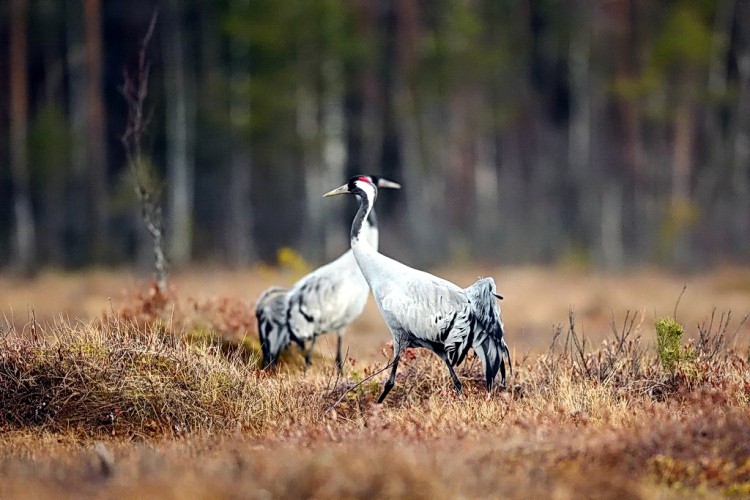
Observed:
{"x":111,"y":390}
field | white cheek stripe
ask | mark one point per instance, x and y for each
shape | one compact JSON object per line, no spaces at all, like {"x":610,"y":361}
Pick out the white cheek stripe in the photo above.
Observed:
{"x":367,"y":187}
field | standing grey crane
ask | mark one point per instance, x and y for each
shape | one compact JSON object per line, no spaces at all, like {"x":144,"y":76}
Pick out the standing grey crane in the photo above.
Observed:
{"x":422,"y":310}
{"x":326,"y":300}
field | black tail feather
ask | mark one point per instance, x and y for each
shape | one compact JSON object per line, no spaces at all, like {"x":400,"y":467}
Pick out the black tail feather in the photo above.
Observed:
{"x":270,"y":313}
{"x":489,"y":343}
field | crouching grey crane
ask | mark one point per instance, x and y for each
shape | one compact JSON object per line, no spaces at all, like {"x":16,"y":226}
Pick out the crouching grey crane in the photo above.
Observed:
{"x":326,"y":300}
{"x":422,"y":310}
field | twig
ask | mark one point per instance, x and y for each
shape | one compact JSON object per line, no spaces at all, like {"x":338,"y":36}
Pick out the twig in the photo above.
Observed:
{"x":33,"y":325}
{"x":554,"y":360}
{"x":627,"y":328}
{"x":338,"y":373}
{"x":556,"y":332}
{"x":739,"y":327}
{"x":390,"y":363}
{"x":580,"y":346}
{"x":678,"y":301}
{"x":9,"y":325}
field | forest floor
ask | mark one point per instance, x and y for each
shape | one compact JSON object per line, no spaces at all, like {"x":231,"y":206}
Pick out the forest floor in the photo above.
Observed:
{"x":112,"y":389}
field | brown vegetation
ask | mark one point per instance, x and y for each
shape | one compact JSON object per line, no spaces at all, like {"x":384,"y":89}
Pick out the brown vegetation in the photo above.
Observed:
{"x":164,"y":397}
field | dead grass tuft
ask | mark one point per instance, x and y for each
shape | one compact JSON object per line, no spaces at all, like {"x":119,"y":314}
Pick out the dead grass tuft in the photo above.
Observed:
{"x":183,"y":377}
{"x":117,"y":377}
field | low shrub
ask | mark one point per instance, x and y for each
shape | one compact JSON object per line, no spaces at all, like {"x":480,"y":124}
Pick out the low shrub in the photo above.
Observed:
{"x":118,"y":377}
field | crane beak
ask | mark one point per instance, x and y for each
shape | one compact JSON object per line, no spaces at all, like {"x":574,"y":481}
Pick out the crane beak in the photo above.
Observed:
{"x":339,"y":190}
{"x":385,"y":183}
{"x":498,"y":297}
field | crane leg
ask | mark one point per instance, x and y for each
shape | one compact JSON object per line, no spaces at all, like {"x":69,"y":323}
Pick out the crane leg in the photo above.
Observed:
{"x":456,"y":382}
{"x":308,"y":355}
{"x":339,"y":361}
{"x":400,"y":338}
{"x":391,"y":379}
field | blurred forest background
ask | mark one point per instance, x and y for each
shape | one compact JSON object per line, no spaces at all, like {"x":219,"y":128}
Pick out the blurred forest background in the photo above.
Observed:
{"x":608,"y":133}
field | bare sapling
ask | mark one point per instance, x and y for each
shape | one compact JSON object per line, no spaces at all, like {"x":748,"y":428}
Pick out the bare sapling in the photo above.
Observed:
{"x":135,"y":92}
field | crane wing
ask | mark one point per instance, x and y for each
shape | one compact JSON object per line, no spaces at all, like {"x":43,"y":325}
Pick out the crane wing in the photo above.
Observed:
{"x":327,"y":299}
{"x":424,"y":307}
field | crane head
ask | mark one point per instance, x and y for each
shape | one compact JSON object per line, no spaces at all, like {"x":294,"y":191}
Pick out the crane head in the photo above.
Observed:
{"x":359,"y":183}
{"x":382,"y":182}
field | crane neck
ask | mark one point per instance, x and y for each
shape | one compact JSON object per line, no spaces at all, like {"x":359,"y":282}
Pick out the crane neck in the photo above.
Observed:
{"x":370,"y":229}
{"x":372,"y":220}
{"x":365,"y":213}
{"x":369,"y":234}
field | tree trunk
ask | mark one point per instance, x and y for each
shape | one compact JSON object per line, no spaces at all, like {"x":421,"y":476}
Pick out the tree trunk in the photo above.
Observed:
{"x":96,"y":137}
{"x":24,"y":241}
{"x":51,"y":138}
{"x":422,"y":235}
{"x":362,"y":108}
{"x":682,"y":153}
{"x":584,"y":205}
{"x":392,"y":67}
{"x":400,"y":139}
{"x":239,"y":227}
{"x":681,"y":206}
{"x":76,"y":223}
{"x":333,"y":152}
{"x":485,"y":193}
{"x":625,"y":134}
{"x":741,"y":140}
{"x":460,"y":175}
{"x":613,"y":253}
{"x":309,"y":136}
{"x":180,"y":129}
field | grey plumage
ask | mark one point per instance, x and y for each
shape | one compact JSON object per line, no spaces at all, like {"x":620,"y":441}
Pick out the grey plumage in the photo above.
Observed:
{"x":423,"y":310}
{"x":326,"y":300}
